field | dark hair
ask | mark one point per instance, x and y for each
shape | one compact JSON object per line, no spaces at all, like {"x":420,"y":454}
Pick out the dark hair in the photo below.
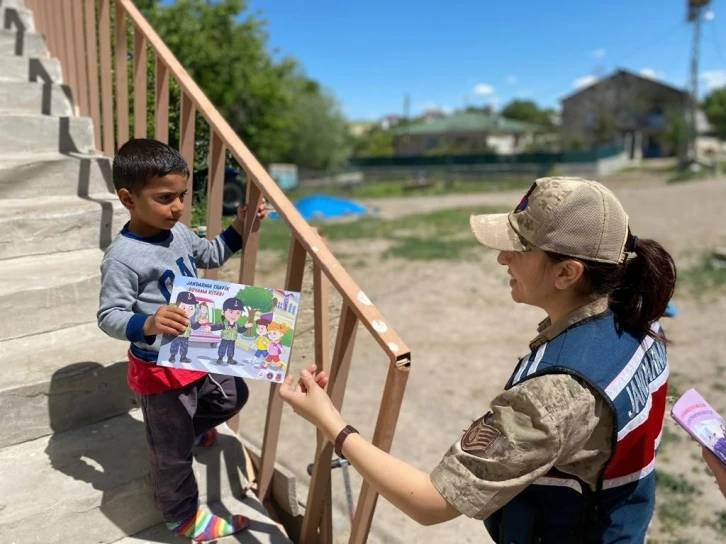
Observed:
{"x":638,"y":290}
{"x":139,"y":161}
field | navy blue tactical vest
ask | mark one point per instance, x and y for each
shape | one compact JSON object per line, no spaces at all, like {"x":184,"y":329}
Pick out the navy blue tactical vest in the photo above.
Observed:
{"x":631,"y":374}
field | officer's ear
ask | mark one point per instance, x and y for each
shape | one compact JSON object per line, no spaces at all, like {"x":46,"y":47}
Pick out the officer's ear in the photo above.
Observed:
{"x":568,"y":273}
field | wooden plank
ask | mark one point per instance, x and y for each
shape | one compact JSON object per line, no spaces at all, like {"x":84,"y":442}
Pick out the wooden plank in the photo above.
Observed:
{"x":122,"y":76}
{"x":79,"y":46}
{"x":92,"y":61}
{"x":388,"y":413}
{"x":215,"y":185}
{"x":320,"y":480}
{"x":187,"y":118}
{"x":251,"y":238}
{"x":295,"y":271}
{"x":161,"y":102}
{"x":69,"y":66}
{"x":139,"y":83}
{"x":104,"y":41}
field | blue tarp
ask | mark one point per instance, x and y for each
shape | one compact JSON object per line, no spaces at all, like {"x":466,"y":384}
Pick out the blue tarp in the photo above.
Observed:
{"x":322,"y":206}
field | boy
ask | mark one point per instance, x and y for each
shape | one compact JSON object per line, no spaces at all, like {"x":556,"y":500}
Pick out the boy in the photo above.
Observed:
{"x":180,"y":407}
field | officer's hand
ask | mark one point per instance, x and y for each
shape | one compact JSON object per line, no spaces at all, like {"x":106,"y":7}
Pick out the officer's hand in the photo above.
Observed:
{"x":309,"y":399}
{"x":166,"y":320}
{"x":718,"y":469}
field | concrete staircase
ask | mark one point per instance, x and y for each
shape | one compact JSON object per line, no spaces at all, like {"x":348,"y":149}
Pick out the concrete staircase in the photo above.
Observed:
{"x":73,"y":455}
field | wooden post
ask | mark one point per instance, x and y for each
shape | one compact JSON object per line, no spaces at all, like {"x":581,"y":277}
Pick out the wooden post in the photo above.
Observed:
{"x":187,"y":115}
{"x":139,"y":84}
{"x":295,"y":271}
{"x":104,"y":40}
{"x":122,"y":75}
{"x":320,"y":480}
{"x":92,"y":61}
{"x":215,"y":183}
{"x":79,"y":45}
{"x":161,"y":102}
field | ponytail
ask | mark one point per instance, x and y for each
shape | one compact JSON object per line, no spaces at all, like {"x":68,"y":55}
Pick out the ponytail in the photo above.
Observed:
{"x":646,"y":286}
{"x":638,"y":290}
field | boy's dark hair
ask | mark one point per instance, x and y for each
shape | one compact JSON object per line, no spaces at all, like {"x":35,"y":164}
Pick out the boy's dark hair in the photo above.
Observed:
{"x":140,"y":160}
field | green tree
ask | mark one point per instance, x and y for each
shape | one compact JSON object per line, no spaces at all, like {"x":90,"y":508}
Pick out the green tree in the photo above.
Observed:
{"x":256,"y":299}
{"x":714,"y":106}
{"x":529,"y":112}
{"x":375,"y":142}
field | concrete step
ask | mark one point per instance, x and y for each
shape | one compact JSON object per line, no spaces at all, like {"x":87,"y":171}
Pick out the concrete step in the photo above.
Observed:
{"x":91,"y":485}
{"x":13,"y":3}
{"x":34,"y":98}
{"x":44,"y":70}
{"x":54,"y":174}
{"x":61,"y":380}
{"x":16,"y":17}
{"x":57,"y":290}
{"x":23,"y":134}
{"x":29,"y":44}
{"x":46,"y":225}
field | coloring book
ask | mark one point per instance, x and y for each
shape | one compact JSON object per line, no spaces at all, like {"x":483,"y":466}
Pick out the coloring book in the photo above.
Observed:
{"x":701,"y":421}
{"x":240,"y":330}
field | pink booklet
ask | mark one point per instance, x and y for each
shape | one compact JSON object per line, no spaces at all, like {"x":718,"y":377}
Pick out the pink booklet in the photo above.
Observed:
{"x":702,"y":422}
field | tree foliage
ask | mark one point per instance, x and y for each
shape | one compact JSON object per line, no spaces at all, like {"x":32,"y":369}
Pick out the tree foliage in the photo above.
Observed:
{"x":714,"y":106}
{"x":266,"y":97}
{"x":529,"y":112}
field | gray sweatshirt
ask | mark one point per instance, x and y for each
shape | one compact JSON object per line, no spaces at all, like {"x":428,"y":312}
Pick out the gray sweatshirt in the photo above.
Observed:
{"x":137,"y":276}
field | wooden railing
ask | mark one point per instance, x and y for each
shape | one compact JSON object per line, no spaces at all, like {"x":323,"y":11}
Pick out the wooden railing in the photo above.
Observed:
{"x":94,"y":57}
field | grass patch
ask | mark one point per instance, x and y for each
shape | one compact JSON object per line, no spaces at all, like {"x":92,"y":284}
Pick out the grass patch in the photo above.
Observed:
{"x":675,"y":498}
{"x":720,"y":522}
{"x":669,"y":437}
{"x":399,"y":187}
{"x":703,"y":277}
{"x":441,"y":234}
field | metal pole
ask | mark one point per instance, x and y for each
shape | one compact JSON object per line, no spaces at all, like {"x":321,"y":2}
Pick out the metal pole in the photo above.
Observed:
{"x":694,"y":81}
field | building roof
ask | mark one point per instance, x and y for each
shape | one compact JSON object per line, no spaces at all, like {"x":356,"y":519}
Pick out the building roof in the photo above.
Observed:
{"x":469,"y":121}
{"x":620,"y":73}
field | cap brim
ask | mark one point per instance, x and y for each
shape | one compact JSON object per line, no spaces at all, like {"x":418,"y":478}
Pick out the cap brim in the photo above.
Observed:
{"x":494,"y":231}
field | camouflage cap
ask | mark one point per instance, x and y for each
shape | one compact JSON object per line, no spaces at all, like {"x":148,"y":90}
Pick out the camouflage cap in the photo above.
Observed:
{"x":570,"y":216}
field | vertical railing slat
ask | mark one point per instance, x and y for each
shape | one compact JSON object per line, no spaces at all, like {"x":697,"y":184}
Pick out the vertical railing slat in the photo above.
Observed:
{"x":122,"y":76}
{"x":320,"y":480}
{"x":251,"y":234}
{"x":139,"y":84}
{"x":92,"y":60}
{"x":69,"y":65}
{"x":79,"y":45}
{"x":104,"y":40}
{"x":295,"y":271}
{"x":161,"y":101}
{"x":215,"y":185}
{"x":187,"y":115}
{"x":388,"y":413}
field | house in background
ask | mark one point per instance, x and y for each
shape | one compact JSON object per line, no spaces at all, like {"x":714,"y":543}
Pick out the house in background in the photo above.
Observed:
{"x":464,"y":132}
{"x":627,"y":106}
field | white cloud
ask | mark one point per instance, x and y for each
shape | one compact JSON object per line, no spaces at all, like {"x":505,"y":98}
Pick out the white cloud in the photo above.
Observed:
{"x":599,"y":53}
{"x":511,"y":80}
{"x":714,"y":79}
{"x":483,"y":89}
{"x":652,"y":74}
{"x":584,"y":81}
{"x":447,"y":109}
{"x":709,"y":16}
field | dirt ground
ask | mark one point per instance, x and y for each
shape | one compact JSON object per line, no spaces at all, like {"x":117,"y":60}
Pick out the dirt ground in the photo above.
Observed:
{"x":466,"y":334}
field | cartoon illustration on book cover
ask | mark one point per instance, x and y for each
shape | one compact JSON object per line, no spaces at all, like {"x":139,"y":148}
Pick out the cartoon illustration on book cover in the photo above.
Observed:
{"x":696,"y":416}
{"x":241,"y":330}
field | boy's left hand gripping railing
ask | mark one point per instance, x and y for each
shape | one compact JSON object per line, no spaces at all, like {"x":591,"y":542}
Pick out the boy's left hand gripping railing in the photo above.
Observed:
{"x":78,"y":32}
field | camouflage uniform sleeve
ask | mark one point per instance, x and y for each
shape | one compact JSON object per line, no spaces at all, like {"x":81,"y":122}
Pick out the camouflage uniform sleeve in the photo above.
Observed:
{"x":527,"y":430}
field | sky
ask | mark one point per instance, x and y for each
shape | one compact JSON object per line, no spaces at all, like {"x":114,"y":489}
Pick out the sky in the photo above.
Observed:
{"x":449,"y":54}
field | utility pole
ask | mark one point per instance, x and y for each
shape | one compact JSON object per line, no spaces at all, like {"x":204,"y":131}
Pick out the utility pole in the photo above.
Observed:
{"x":695,"y":16}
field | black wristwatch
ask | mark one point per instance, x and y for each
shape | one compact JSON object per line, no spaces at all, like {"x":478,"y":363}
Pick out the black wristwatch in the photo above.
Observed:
{"x":342,"y":435}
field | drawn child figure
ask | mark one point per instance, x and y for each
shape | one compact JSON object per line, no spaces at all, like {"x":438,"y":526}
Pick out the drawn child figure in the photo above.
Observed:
{"x":231,"y":311}
{"x":274,"y":348}
{"x":202,"y":314}
{"x":187,"y":302}
{"x":261,"y":342}
{"x":719,"y":445}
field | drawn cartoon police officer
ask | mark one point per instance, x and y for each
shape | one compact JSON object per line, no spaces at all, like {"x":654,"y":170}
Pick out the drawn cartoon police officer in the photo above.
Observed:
{"x":180,"y":344}
{"x":231,"y":311}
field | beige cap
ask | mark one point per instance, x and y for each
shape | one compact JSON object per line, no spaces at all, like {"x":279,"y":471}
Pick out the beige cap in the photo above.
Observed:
{"x":570,"y":216}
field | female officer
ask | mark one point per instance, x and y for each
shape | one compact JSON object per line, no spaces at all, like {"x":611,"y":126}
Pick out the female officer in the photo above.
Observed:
{"x":566,"y":453}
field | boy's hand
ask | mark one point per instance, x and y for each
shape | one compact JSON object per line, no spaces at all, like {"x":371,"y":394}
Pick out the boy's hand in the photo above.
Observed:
{"x":166,"y":320}
{"x":239,"y":221}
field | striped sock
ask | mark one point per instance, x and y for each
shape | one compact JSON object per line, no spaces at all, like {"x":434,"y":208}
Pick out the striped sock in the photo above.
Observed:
{"x":205,"y":526}
{"x":207,"y":439}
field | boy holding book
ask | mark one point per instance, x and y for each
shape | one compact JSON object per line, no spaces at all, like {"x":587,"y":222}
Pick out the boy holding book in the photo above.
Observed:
{"x":181,"y":407}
